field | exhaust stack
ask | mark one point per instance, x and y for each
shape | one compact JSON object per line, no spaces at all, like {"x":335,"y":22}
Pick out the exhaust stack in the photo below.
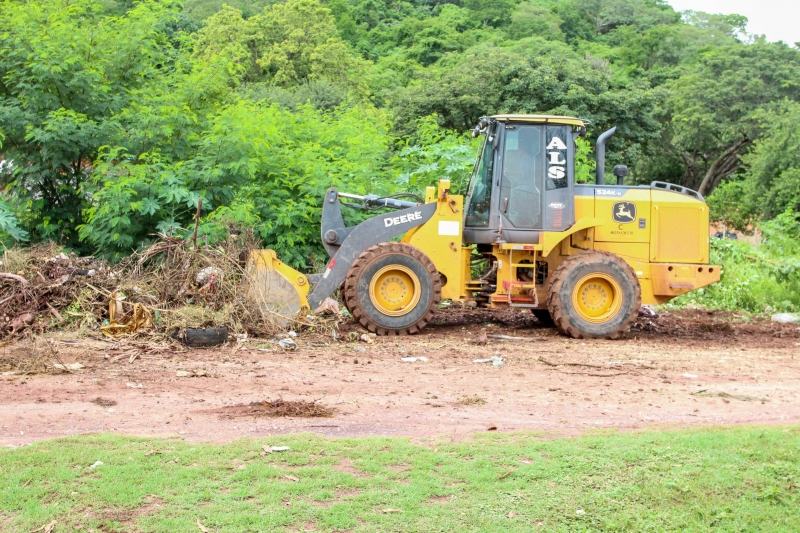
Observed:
{"x":600,"y":172}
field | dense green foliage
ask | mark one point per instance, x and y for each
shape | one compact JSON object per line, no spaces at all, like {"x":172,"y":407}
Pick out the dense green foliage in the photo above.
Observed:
{"x":730,"y":479}
{"x":117,"y":117}
{"x":763,"y":278}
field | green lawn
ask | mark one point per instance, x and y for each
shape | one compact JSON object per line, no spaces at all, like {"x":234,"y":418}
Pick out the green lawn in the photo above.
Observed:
{"x":733,"y":479}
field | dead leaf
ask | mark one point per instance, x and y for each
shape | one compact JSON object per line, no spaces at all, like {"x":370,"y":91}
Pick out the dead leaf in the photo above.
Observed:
{"x":329,"y":306}
{"x":152,"y":452}
{"x":491,"y":427}
{"x":48,"y":528}
{"x":203,"y":528}
{"x":387,"y":511}
{"x":291,"y":478}
{"x":511,"y":514}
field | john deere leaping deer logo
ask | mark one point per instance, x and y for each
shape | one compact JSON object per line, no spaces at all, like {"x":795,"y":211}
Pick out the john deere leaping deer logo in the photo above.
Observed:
{"x":624,"y":212}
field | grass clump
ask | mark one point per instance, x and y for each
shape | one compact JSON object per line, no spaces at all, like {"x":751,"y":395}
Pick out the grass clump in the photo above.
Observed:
{"x":472,"y":400}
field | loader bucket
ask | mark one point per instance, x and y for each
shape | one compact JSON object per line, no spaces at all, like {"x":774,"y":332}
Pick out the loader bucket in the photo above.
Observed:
{"x":278,"y":291}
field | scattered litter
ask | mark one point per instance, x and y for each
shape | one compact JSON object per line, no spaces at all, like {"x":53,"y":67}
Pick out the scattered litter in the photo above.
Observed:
{"x":292,"y":333}
{"x":134,"y":385}
{"x":140,"y":318}
{"x":191,"y":374}
{"x":687,"y":375}
{"x":369,"y":338}
{"x":70,"y":366}
{"x":329,"y":306}
{"x":204,"y":337}
{"x":287,"y":344}
{"x":495,"y":360}
{"x":580,"y":511}
{"x":414,"y":359}
{"x":279,"y":449}
{"x":209,"y":279}
{"x":647,"y":312}
{"x":96,"y":464}
{"x":46,"y":528}
{"x":786,"y":318}
{"x":510,"y":338}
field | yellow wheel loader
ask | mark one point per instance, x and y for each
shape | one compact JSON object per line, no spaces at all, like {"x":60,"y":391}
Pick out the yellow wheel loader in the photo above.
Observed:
{"x":583,"y":257}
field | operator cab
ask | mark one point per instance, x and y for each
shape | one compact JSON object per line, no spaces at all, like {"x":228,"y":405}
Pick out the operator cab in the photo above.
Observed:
{"x":523,"y":181}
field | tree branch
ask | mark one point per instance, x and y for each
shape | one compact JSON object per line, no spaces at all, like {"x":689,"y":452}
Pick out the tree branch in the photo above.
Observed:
{"x":720,"y":169}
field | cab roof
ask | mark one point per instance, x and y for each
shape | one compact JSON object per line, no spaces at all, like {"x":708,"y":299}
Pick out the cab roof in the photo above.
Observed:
{"x":540,"y":119}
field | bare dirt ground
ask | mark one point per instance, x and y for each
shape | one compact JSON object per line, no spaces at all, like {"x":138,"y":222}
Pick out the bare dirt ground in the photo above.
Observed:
{"x":681,"y":369}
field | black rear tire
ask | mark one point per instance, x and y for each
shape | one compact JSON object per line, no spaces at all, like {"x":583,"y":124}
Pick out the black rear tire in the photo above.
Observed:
{"x":594,"y":294}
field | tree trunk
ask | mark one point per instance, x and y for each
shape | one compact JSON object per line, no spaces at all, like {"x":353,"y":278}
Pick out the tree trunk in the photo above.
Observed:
{"x":722,"y":167}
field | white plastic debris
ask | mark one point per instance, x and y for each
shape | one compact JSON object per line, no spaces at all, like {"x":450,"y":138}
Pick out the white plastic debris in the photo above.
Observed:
{"x":647,"y":311}
{"x":292,"y":333}
{"x":495,"y":360}
{"x":279,"y":448}
{"x":690,"y":376}
{"x":209,"y":276}
{"x":414,"y":359}
{"x":134,"y":385}
{"x":287,"y":344}
{"x":96,"y":464}
{"x":786,"y":318}
{"x":580,"y":512}
{"x":70,"y":366}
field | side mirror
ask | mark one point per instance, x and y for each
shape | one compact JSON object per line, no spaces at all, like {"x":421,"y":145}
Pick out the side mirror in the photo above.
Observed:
{"x":620,"y":171}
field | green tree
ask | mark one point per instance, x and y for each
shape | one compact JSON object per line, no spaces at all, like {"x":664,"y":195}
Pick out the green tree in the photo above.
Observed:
{"x":286,"y":45}
{"x":712,"y":109}
{"x":65,"y":70}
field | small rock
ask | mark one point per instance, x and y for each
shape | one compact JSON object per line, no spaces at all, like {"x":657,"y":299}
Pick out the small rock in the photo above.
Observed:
{"x":183,"y":374}
{"x":96,"y":464}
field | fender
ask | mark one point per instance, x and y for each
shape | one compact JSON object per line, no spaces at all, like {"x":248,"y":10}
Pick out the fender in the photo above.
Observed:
{"x":375,"y":230}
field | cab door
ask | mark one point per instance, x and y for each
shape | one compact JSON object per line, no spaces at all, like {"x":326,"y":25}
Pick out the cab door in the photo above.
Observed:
{"x":559,"y":209}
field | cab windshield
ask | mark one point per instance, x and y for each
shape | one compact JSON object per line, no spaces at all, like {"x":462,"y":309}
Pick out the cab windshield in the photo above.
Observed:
{"x":479,"y":194}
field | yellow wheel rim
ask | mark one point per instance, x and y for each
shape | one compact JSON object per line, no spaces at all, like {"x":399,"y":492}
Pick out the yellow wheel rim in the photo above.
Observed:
{"x":597,"y":297}
{"x":394,"y":290}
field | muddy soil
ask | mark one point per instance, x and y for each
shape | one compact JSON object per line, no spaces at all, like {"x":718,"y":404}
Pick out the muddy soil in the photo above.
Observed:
{"x":684,"y":368}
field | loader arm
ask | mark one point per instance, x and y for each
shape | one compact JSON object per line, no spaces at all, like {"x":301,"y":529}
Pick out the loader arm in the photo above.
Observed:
{"x":345,"y":244}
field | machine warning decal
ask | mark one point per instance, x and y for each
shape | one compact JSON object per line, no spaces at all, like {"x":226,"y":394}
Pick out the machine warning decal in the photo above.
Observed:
{"x":624,"y":212}
{"x":608,"y":192}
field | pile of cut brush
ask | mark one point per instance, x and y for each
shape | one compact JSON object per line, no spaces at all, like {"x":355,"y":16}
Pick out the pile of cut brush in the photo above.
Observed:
{"x":170,"y":285}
